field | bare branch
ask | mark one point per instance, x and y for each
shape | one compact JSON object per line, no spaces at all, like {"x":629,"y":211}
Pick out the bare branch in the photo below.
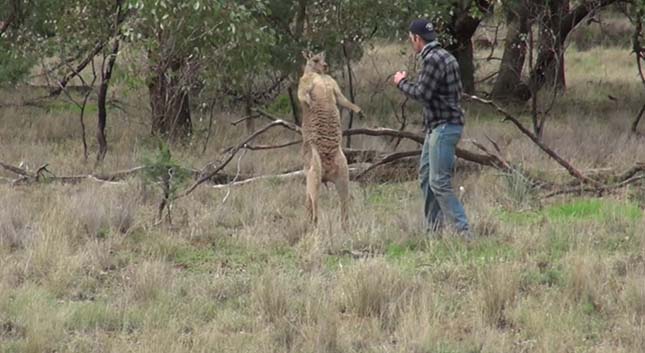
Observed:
{"x":581,"y":190}
{"x":271,"y":147}
{"x":274,"y":118}
{"x":15,"y":170}
{"x":77,"y":70}
{"x":385,"y":132}
{"x":241,"y":120}
{"x":389,"y":159}
{"x":507,"y":116}
{"x":231,"y":153}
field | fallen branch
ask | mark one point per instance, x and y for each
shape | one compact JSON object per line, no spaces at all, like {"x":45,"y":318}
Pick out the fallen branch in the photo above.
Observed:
{"x":631,"y":172}
{"x":485,"y":160}
{"x":259,"y":178}
{"x":272,"y":147}
{"x":587,"y":189}
{"x":354,"y":172}
{"x":385,"y":132}
{"x":508,"y":117}
{"x":231,"y":154}
{"x":15,"y":170}
{"x":389,"y":159}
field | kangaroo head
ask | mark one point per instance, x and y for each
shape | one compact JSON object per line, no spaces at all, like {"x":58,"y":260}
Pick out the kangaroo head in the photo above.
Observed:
{"x":315,"y":62}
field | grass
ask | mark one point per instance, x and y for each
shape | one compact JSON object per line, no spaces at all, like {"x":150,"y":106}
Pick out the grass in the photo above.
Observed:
{"x":83,"y":268}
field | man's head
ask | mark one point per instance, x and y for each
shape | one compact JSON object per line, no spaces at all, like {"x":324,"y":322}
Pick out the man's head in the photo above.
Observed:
{"x":421,"y":33}
{"x":315,"y":63}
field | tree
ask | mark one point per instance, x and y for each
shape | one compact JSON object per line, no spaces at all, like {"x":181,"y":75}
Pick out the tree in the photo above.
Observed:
{"x":509,"y":85}
{"x":189,"y":46}
{"x":555,"y":20}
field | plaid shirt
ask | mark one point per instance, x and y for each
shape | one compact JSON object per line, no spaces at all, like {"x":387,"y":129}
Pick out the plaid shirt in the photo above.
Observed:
{"x":438,"y":87}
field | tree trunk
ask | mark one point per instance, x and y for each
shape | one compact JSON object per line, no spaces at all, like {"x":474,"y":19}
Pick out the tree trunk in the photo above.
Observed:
{"x":550,"y":56}
{"x":352,"y":98}
{"x":509,"y":79}
{"x":169,"y":102}
{"x":301,"y":16}
{"x":465,"y":56}
{"x":106,"y":75}
{"x":294,"y":105}
{"x":551,"y":27}
{"x":462,"y":29}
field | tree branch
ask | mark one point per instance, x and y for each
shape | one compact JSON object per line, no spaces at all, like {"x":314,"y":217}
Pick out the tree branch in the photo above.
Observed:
{"x":231,"y":153}
{"x":508,"y":117}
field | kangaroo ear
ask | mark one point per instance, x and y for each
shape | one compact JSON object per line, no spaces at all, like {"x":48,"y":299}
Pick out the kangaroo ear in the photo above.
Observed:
{"x":322,"y":54}
{"x":306,"y":54}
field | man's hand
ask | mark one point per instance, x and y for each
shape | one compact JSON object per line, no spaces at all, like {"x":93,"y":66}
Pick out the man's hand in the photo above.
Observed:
{"x":400,"y":76}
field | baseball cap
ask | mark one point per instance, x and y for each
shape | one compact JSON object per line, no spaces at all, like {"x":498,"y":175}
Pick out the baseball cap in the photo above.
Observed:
{"x":424,"y":29}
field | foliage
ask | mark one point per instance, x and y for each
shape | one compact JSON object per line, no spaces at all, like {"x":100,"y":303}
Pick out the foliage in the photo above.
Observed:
{"x":161,"y":169}
{"x":13,"y":66}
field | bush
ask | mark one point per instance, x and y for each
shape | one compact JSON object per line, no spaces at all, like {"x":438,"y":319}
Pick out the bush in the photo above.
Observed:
{"x":13,"y":66}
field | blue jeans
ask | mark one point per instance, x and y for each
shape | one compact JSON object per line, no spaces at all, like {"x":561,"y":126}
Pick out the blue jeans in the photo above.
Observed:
{"x":436,"y":170}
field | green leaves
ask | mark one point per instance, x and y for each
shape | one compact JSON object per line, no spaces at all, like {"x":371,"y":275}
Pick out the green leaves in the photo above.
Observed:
{"x":163,"y":170}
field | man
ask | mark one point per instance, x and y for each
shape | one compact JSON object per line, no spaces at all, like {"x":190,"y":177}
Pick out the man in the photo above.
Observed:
{"x":438,"y":87}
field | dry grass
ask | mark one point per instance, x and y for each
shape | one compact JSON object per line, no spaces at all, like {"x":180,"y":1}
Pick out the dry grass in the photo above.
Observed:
{"x":83,"y":268}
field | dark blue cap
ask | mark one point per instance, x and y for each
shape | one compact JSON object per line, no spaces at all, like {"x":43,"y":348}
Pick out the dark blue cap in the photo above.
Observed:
{"x":424,"y":29}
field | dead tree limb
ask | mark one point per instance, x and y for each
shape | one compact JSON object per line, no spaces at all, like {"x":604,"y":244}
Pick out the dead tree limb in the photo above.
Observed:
{"x":389,"y":159}
{"x":272,"y":147}
{"x":385,"y":132}
{"x":231,"y":154}
{"x":490,"y":161}
{"x":587,"y":189}
{"x":508,"y":117}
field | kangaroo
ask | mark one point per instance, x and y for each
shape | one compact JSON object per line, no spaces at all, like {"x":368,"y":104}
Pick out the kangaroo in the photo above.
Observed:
{"x":324,"y":160}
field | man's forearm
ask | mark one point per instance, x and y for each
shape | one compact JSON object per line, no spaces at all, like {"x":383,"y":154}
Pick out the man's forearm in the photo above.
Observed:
{"x":411,"y":90}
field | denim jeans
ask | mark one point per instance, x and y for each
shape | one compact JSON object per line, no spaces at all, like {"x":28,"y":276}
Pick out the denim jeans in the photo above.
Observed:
{"x":436,"y":170}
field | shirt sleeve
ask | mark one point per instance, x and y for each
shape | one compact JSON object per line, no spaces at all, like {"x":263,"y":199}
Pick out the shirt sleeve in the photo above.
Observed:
{"x":425,"y":85}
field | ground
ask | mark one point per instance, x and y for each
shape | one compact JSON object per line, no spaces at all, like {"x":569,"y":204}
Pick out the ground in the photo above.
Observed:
{"x":83,"y":268}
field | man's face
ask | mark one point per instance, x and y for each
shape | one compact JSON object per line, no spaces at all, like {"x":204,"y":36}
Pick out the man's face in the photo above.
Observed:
{"x":417,"y":42}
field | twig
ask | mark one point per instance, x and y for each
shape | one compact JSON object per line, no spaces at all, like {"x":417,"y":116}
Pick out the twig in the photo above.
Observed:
{"x":237,"y":175}
{"x":638,"y":119}
{"x":241,"y":120}
{"x":274,"y":118}
{"x":489,"y":77}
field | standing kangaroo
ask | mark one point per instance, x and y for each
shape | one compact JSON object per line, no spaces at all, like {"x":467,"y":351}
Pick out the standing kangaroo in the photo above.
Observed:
{"x":324,"y":161}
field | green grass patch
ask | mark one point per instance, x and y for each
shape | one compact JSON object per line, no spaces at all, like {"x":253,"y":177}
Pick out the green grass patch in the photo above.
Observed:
{"x":549,"y":276}
{"x":579,"y":210}
{"x":90,"y":316}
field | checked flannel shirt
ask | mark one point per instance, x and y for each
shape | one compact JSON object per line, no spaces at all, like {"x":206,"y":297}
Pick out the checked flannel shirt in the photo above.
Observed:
{"x":438,"y":87}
